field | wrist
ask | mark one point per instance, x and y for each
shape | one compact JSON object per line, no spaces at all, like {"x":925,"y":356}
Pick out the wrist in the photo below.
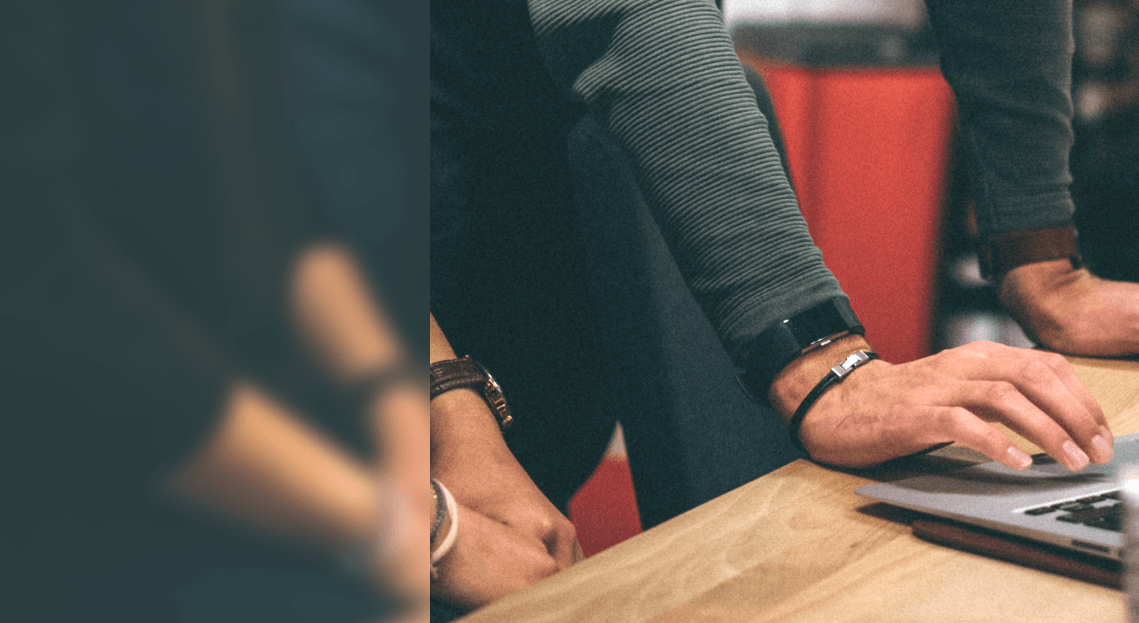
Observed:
{"x":462,"y":412}
{"x":463,"y":430}
{"x":451,"y":374}
{"x":1038,"y":295}
{"x":1003,"y":252}
{"x":448,"y":532}
{"x":389,"y":537}
{"x":1039,"y":278}
{"x":800,"y":376}
{"x":806,"y":331}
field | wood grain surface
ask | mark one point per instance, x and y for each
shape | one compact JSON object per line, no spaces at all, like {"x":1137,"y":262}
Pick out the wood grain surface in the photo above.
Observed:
{"x":799,"y":545}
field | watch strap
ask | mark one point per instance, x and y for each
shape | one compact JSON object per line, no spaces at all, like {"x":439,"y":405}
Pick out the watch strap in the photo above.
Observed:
{"x":1003,"y":251}
{"x":465,"y":372}
{"x":782,"y":343}
{"x":455,"y":373}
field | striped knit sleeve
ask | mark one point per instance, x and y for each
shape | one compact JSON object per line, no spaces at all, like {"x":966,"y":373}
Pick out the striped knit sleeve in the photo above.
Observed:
{"x":663,"y":78}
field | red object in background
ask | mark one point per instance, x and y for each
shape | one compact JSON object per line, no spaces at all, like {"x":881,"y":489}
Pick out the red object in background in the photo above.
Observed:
{"x":868,"y":150}
{"x":604,"y":510}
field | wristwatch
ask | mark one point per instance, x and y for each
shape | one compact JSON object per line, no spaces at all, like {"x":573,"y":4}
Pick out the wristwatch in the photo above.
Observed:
{"x":778,"y":346}
{"x":466,"y":372}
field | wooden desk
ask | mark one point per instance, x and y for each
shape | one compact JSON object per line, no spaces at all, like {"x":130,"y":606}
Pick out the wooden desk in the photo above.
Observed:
{"x":800,"y":545}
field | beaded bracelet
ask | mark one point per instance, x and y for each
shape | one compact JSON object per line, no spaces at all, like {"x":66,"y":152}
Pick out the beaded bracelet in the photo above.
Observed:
{"x":440,"y":508}
{"x":444,"y":548}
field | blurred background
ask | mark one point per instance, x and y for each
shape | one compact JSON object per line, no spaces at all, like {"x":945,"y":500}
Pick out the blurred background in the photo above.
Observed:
{"x":213,"y":290}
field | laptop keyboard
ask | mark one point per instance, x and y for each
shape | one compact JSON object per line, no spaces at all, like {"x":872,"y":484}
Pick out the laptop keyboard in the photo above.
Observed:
{"x":1103,"y":511}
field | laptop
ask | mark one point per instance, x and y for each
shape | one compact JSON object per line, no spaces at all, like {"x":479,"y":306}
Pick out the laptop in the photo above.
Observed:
{"x":1080,"y":511}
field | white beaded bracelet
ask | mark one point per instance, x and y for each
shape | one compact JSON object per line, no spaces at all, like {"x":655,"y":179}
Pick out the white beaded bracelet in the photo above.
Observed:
{"x":452,"y":533}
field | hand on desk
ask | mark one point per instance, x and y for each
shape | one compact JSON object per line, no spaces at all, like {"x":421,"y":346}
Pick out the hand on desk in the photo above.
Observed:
{"x":882,"y":411}
{"x":489,"y":561}
{"x":510,"y":535}
{"x":1072,"y":311}
{"x":469,"y":456}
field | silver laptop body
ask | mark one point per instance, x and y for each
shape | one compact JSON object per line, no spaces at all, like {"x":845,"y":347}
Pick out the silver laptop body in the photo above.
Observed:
{"x":993,"y":496}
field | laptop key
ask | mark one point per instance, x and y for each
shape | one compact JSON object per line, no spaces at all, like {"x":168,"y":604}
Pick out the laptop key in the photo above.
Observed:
{"x":1076,"y":507}
{"x":1101,"y":517}
{"x":1113,"y":523}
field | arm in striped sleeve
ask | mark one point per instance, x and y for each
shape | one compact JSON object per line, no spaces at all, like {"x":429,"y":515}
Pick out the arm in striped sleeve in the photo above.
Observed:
{"x":664,"y":80}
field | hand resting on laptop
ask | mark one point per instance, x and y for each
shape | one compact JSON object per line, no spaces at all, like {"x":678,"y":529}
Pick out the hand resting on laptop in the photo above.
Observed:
{"x":882,"y":410}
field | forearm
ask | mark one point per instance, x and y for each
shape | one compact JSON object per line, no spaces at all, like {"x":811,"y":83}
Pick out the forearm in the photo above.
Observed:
{"x":338,"y":314}
{"x":461,"y":421}
{"x":343,"y":323}
{"x":265,"y":468}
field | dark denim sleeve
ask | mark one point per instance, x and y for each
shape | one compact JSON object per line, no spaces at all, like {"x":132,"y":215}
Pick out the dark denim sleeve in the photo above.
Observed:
{"x":1009,"y":63}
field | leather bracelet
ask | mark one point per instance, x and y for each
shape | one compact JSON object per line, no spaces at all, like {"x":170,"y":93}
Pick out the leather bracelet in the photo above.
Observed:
{"x":1001,"y":252}
{"x":835,"y":376}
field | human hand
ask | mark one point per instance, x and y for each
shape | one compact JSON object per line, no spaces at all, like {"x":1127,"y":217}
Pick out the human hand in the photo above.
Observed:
{"x":396,"y":564}
{"x":399,"y":420}
{"x":489,"y":561}
{"x":882,"y":411}
{"x":469,"y":456}
{"x":1073,"y":311}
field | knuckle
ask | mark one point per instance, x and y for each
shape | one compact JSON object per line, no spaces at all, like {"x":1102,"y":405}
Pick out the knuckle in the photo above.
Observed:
{"x":1004,"y":392}
{"x":567,"y":530}
{"x":1055,"y":361}
{"x":1036,"y":368}
{"x":529,"y":522}
{"x":543,"y":568}
{"x":548,"y":527}
{"x":951,"y":418}
{"x":548,"y":522}
{"x":542,"y":525}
